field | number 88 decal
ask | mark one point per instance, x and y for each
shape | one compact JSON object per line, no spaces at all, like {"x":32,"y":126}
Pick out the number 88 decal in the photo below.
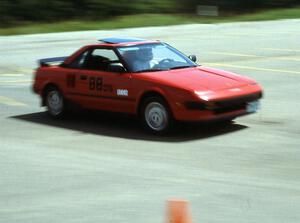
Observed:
{"x":95,"y":83}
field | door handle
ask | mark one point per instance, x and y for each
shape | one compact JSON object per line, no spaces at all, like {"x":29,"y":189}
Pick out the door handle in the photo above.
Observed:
{"x":83,"y":77}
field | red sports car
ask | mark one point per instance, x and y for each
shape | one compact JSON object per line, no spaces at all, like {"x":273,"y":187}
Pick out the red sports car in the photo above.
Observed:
{"x":150,"y":79}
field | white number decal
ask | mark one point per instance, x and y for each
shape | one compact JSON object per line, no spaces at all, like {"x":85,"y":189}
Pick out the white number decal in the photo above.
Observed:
{"x":122,"y":92}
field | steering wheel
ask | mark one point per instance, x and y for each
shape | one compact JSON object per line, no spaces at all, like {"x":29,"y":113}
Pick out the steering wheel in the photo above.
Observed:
{"x":167,"y":60}
{"x":164,"y":63}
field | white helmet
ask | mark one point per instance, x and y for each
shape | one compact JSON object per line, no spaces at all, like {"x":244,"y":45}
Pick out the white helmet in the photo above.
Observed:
{"x":145,"y":54}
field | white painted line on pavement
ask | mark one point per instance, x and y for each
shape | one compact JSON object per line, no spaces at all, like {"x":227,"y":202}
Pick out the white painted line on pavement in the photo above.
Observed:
{"x":15,"y":81}
{"x":11,"y":75}
{"x":281,"y":49}
{"x":234,"y":54}
{"x":256,"y":56}
{"x":254,"y":68}
{"x":10,"y":101}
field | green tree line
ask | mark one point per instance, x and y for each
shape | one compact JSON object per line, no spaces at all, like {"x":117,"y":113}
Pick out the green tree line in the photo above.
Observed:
{"x":16,"y":11}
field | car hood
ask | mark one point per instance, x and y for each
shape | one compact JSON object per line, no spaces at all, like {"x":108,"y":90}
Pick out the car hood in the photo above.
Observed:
{"x":198,"y":79}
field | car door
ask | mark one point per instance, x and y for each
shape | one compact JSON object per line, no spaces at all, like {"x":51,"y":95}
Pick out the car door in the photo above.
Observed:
{"x":117,"y":94}
{"x":94,"y":84}
{"x":113,"y":86}
{"x":80,"y":87}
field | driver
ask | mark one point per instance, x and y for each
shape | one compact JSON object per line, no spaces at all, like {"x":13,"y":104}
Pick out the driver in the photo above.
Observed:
{"x":143,"y":57}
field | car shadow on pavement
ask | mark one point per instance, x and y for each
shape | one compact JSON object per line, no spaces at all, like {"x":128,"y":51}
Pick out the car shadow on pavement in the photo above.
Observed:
{"x":125,"y":126}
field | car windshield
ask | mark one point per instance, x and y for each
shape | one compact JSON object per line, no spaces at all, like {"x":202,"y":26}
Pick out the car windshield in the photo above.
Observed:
{"x":154,"y":57}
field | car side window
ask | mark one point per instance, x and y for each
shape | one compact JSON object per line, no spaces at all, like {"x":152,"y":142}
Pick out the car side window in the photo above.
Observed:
{"x":106,"y":53}
{"x":101,"y":59}
{"x":79,"y":61}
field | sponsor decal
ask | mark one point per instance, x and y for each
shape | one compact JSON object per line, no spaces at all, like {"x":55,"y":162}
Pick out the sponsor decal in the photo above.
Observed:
{"x":122,"y":92}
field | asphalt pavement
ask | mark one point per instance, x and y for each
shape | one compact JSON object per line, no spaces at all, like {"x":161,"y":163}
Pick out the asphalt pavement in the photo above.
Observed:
{"x":98,"y":167}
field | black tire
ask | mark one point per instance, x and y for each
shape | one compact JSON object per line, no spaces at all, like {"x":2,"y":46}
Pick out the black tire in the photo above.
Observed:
{"x":55,"y":102}
{"x":155,"y":115}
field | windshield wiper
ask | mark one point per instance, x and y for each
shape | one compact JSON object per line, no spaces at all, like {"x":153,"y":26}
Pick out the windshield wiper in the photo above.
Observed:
{"x":181,"y":67}
{"x":150,"y":70}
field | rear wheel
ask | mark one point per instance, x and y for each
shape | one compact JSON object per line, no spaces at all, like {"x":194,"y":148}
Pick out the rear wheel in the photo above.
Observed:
{"x":55,"y":102}
{"x":155,"y":115}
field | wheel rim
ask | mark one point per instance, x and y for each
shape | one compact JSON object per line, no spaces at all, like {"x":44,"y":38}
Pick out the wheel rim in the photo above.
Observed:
{"x":54,"y":102}
{"x":156,"y":116}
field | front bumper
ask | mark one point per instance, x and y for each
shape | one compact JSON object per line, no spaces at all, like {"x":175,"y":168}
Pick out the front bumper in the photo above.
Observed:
{"x":218,"y":109}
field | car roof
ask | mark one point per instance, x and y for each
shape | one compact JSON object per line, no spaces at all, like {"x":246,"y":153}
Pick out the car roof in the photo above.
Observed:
{"x":109,"y":43}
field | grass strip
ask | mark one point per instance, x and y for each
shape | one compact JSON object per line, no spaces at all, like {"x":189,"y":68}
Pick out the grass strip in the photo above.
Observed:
{"x":143,"y":20}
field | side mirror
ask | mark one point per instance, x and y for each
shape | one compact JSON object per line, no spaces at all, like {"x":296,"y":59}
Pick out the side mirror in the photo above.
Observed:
{"x":193,"y":58}
{"x":116,"y":68}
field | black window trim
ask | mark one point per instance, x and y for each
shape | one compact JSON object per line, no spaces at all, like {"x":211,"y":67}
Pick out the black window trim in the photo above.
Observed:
{"x":90,"y":51}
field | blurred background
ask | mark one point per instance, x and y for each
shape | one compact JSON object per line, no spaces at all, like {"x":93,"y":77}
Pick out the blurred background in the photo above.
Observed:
{"x":15,"y":11}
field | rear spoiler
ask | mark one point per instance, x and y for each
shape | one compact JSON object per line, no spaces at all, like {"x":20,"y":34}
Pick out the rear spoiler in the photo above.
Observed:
{"x":54,"y":60}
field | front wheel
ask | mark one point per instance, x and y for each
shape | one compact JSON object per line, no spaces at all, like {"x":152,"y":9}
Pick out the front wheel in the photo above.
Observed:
{"x":155,"y":115}
{"x":55,"y":102}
